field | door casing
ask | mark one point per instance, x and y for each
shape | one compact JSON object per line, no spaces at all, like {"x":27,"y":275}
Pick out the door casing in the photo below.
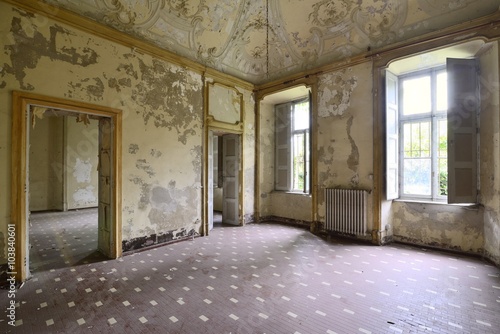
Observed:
{"x":21,"y":101}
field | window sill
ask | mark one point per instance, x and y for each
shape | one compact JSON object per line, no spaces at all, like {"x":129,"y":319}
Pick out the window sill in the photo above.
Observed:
{"x":291,"y":193}
{"x":423,"y":201}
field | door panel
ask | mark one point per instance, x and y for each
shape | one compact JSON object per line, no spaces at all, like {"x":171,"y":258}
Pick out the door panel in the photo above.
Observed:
{"x":105,"y":237}
{"x":210,"y":199}
{"x":231,"y":156}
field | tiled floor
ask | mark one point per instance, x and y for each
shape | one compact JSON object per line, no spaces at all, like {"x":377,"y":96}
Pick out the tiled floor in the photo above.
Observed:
{"x":264,"y":278}
{"x":62,"y":239}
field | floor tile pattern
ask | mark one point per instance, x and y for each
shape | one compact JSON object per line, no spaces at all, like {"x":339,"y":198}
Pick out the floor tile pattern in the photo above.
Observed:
{"x":263,"y":278}
{"x":62,"y":239}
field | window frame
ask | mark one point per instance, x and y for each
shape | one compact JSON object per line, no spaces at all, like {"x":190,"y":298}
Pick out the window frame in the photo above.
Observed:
{"x":288,"y":166}
{"x":433,"y":117}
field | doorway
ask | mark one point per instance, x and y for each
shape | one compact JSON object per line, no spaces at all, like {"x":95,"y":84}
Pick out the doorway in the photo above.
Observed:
{"x":63,"y":195}
{"x":224,"y":179}
{"x":25,"y":109}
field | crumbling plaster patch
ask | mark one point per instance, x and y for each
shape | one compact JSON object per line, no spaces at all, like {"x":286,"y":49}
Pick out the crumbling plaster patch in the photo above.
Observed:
{"x":335,"y":90}
{"x":85,"y":196}
{"x":437,"y":225}
{"x":29,"y":45}
{"x":344,"y":129}
{"x":82,"y":170}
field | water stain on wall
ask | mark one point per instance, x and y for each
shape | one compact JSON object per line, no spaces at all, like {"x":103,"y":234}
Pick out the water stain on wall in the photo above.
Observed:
{"x":142,"y":164}
{"x":133,"y":148}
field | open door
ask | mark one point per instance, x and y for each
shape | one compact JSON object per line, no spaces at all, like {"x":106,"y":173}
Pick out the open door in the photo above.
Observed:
{"x":210,"y":199}
{"x":231,"y":156}
{"x":105,"y":230}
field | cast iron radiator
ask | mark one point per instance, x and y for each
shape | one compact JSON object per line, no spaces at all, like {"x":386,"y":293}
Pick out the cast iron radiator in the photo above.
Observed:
{"x":346,"y":211}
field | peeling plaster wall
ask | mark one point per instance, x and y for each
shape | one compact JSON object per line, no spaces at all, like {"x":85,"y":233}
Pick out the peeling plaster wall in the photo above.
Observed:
{"x":443,"y":226}
{"x":162,"y":108}
{"x":45,"y":164}
{"x":345,"y":133}
{"x":277,"y":203}
{"x":249,"y":156}
{"x":273,"y":203}
{"x":81,"y":163}
{"x":490,"y":151}
{"x":266,"y":168}
{"x":293,"y":206}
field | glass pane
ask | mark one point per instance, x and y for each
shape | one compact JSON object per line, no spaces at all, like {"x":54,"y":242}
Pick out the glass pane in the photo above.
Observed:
{"x":417,"y":96}
{"x":301,"y":116}
{"x":417,"y":177}
{"x":442,"y":156}
{"x":443,"y":138}
{"x":443,"y":177}
{"x":298,"y":161}
{"x":417,"y":139}
{"x":442,"y":92}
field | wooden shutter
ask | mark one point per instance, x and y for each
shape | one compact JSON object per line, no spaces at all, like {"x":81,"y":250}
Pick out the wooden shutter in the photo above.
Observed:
{"x":392,"y":125}
{"x":463,"y":108}
{"x":283,"y":178}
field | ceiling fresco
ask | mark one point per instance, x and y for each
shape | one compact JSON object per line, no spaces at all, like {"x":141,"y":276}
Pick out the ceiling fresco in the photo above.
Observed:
{"x":265,"y":40}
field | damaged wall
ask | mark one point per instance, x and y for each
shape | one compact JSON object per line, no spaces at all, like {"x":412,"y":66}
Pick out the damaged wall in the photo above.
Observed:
{"x":266,"y":167}
{"x":162,"y":108}
{"x":249,"y":156}
{"x":490,"y":150}
{"x":292,"y":206}
{"x":81,"y":162}
{"x":45,"y":162}
{"x":437,"y":225}
{"x":345,"y":133}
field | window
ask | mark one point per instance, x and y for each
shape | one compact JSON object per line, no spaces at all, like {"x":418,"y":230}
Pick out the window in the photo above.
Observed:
{"x":431,"y":133}
{"x":423,"y":134}
{"x":292,"y":124}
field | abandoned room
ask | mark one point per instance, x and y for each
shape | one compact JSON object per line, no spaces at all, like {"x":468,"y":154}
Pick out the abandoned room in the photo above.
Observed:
{"x":264,"y":166}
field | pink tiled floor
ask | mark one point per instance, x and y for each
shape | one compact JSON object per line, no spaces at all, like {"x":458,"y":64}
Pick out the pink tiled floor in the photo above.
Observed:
{"x":264,"y":278}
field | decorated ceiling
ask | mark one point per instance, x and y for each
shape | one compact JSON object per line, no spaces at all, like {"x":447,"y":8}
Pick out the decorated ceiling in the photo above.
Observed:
{"x":265,"y":40}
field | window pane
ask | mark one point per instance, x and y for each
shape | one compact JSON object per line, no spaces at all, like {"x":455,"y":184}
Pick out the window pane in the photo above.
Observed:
{"x":301,"y":116}
{"x":442,"y":138}
{"x":417,"y":177}
{"x":417,"y":139}
{"x":443,"y":177}
{"x":417,"y":96}
{"x":442,"y":157}
{"x":298,"y":161}
{"x":442,"y":92}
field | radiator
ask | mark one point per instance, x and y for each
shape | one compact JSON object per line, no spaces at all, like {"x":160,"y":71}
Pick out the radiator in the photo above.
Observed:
{"x":346,"y":211}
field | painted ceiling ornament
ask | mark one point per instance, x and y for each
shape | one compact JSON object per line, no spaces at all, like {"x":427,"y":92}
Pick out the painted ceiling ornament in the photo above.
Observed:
{"x":380,"y":21}
{"x":330,"y":12}
{"x":230,"y":35}
{"x":132,"y":14}
{"x":185,"y":8}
